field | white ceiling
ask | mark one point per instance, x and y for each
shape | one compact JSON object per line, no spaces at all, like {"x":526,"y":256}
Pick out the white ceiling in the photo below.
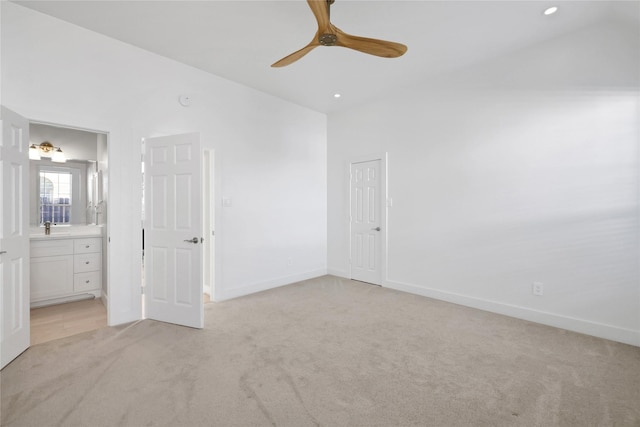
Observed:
{"x":239,"y":40}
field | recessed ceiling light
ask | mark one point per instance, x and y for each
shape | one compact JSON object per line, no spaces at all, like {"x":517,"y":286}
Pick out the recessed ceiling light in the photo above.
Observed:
{"x":336,"y":95}
{"x":551,"y":10}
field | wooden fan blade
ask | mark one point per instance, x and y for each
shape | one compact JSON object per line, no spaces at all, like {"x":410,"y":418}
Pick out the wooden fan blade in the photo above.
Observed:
{"x":289,"y":59}
{"x":383,"y":48}
{"x":320,"y":9}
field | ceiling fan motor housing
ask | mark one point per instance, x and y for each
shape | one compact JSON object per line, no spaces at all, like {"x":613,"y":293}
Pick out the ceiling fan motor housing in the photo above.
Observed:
{"x":328,"y":39}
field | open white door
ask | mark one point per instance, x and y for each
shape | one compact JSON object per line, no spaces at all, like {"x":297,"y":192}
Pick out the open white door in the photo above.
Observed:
{"x":14,"y":236}
{"x":173,"y":230}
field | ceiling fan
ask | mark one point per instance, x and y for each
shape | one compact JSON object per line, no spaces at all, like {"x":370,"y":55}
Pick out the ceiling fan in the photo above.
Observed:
{"x":330,"y":35}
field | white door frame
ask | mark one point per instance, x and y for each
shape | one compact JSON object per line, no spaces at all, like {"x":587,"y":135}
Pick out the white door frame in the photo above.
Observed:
{"x":105,"y":298}
{"x":208,"y":220}
{"x":384,"y":204}
{"x":215,"y":200}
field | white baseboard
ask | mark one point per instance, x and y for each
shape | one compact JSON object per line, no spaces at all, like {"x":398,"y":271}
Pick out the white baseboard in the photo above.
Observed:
{"x":226,"y":294}
{"x":207,"y":289}
{"x":105,"y":300}
{"x":626,"y":336}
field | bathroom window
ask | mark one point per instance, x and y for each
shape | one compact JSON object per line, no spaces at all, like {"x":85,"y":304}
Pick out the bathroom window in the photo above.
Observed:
{"x":55,"y":196}
{"x":59,"y":193}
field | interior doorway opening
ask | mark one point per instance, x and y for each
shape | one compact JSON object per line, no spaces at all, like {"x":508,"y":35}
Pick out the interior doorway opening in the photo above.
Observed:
{"x":68,"y":232}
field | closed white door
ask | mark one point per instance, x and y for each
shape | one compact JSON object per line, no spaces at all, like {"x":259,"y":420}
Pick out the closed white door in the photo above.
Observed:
{"x":14,"y":236}
{"x":173,"y":230}
{"x":366,"y":224}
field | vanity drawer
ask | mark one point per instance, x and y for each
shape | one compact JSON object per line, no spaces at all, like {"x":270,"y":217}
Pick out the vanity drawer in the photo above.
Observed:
{"x":87,"y":281}
{"x":88,"y":245}
{"x":87,"y":262}
{"x":53,"y":247}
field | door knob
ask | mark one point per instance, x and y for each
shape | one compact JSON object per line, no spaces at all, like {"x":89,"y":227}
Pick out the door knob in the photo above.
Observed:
{"x":376,"y":228}
{"x":194,"y":240}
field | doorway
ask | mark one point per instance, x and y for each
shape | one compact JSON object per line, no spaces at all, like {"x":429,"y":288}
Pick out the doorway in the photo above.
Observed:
{"x":367,"y":181}
{"x":68,"y":266}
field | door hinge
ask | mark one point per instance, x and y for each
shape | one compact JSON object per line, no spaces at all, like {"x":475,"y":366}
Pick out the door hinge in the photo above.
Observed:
{"x":142,"y":290}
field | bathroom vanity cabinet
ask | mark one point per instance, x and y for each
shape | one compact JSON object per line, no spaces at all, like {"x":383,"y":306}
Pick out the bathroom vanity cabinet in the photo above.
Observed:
{"x":65,"y":266}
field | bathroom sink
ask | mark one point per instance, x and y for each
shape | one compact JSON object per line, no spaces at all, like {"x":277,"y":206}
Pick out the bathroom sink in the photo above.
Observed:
{"x":73,"y":231}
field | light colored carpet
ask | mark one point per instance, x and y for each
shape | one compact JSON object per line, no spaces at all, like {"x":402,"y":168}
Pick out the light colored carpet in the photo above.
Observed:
{"x":327,"y":352}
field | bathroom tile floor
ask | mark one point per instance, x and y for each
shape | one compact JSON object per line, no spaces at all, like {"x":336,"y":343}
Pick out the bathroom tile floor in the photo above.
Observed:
{"x":64,"y":320}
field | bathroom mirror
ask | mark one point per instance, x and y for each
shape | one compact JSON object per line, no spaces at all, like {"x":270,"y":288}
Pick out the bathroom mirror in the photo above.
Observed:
{"x":68,"y":193}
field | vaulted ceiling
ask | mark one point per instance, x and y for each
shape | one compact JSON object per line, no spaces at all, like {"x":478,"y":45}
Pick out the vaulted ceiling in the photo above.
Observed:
{"x":239,"y":40}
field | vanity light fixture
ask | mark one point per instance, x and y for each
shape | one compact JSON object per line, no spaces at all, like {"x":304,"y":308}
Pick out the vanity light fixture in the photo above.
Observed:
{"x":46,"y":149}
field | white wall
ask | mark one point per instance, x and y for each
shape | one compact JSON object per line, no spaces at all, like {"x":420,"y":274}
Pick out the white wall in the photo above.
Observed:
{"x":270,"y":154}
{"x":521,"y":169}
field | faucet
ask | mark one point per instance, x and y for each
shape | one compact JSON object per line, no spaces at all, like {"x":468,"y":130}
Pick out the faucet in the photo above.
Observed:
{"x":47,"y":227}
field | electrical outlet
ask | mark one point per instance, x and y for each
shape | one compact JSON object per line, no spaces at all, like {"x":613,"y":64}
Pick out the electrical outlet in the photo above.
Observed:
{"x":537,"y":288}
{"x":289,"y":261}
